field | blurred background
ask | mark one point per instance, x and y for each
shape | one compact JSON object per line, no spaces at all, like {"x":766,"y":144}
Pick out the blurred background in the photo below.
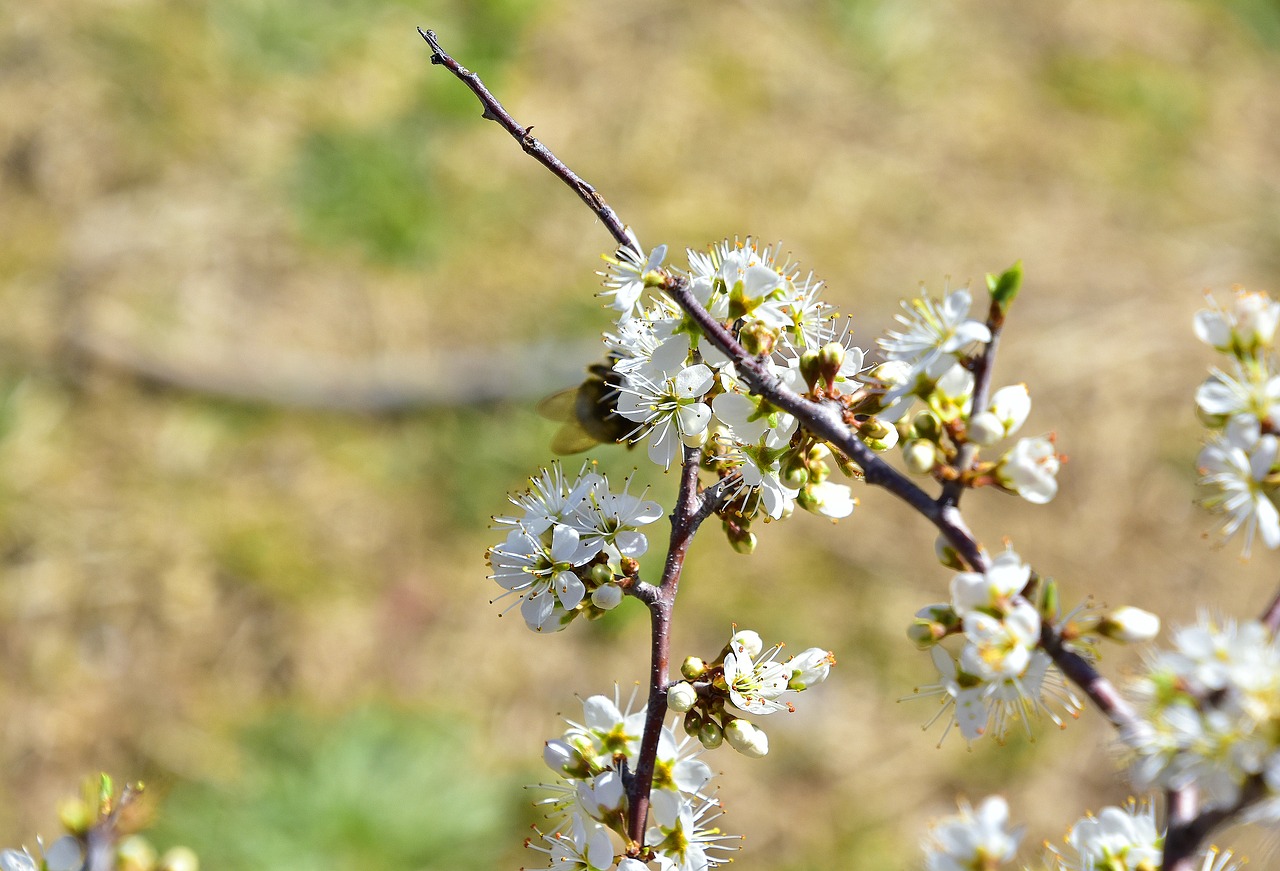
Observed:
{"x":278,"y":305}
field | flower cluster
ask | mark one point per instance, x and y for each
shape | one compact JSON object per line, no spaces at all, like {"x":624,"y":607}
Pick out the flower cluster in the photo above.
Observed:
{"x":929,"y":358}
{"x":571,"y":544}
{"x":679,"y":390}
{"x":748,"y":679}
{"x":588,"y":805}
{"x":1211,"y":705}
{"x":1122,"y":838}
{"x":1001,"y":675}
{"x":1240,"y":404}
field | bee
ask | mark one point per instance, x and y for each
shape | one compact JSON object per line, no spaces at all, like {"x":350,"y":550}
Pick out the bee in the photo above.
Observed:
{"x":588,"y":413}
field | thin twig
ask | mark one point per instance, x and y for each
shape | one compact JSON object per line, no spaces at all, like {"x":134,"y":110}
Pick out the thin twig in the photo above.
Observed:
{"x":985,"y":364}
{"x":494,"y":111}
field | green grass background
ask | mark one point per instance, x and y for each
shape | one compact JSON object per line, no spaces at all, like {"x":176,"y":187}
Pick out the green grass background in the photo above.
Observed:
{"x":278,"y":616}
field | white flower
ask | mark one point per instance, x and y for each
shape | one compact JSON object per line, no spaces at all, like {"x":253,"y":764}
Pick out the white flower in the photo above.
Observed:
{"x":1011,"y":405}
{"x":1236,"y":465}
{"x":932,"y":329}
{"x":1000,"y":649}
{"x":17,"y":860}
{"x":608,"y":520}
{"x":1248,"y":326}
{"x":966,"y":703}
{"x":972,"y":839}
{"x":552,"y":496}
{"x":990,"y":590}
{"x":755,"y":685}
{"x":1210,"y":705}
{"x":1253,"y":393}
{"x":669,"y":412}
{"x":625,"y":279}
{"x":1031,"y":470}
{"x":541,"y":573}
{"x":586,"y":847}
{"x":743,"y":415}
{"x":683,"y":838}
{"x":1117,"y":839}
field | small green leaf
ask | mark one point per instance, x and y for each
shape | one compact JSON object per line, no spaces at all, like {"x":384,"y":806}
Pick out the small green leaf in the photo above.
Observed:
{"x":1004,"y":290}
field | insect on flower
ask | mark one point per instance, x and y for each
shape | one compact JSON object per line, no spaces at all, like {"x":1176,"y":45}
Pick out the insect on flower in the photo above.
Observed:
{"x":588,"y":413}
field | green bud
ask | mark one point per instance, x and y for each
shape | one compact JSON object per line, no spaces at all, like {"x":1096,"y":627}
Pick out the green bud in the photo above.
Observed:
{"x":710,"y":736}
{"x":874,"y":428}
{"x":926,"y":425}
{"x":1004,"y":290}
{"x":920,"y":456}
{"x":830,"y":359}
{"x":740,"y":538}
{"x":601,"y":574}
{"x":693,"y":667}
{"x":758,"y":338}
{"x":947,"y":554}
{"x":925,"y":633}
{"x":810,"y":368}
{"x":793,"y":473}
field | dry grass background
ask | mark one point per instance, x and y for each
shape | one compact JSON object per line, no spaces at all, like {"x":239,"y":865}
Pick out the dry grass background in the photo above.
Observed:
{"x":278,"y":615}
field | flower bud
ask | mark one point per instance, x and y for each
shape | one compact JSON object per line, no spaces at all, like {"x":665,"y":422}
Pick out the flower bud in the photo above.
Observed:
{"x":810,"y":667}
{"x":75,"y":815}
{"x":748,"y":641}
{"x":600,"y":574}
{"x":681,"y":697}
{"x":693,"y":667}
{"x":608,"y":597}
{"x":746,"y":738}
{"x":810,"y":368}
{"x":1129,"y":625}
{"x":563,"y":758}
{"x":920,"y":456}
{"x":926,"y":633}
{"x":926,"y":425}
{"x":135,"y":853}
{"x":947,"y":554}
{"x":710,"y":736}
{"x":830,"y":359}
{"x":740,"y":538}
{"x":694,"y":440}
{"x":179,"y":859}
{"x":793,"y":474}
{"x":758,"y":338}
{"x":877,"y":434}
{"x":985,"y":429}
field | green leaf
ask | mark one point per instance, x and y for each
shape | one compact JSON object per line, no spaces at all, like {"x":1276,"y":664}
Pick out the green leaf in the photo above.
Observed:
{"x":1004,"y":290}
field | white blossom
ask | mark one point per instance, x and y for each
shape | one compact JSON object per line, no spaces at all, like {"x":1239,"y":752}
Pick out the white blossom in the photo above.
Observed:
{"x":975,"y":838}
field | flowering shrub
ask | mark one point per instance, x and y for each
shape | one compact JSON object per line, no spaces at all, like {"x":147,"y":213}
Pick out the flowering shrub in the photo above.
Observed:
{"x":731,"y":368}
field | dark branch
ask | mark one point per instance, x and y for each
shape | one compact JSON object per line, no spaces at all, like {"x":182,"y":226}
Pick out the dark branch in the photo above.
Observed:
{"x":686,"y":516}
